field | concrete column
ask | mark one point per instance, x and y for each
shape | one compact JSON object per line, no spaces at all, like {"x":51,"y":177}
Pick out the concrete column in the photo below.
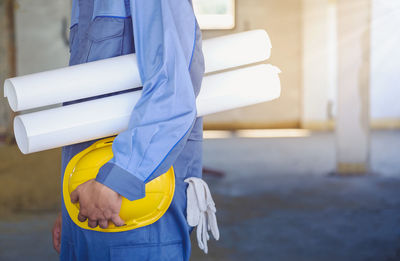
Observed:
{"x":319,"y":63}
{"x":352,"y":125}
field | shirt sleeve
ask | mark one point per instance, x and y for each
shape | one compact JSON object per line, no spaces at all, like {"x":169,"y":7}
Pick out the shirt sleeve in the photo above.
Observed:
{"x":161,"y":121}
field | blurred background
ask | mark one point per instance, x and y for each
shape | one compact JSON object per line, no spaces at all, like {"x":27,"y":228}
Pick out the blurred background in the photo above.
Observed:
{"x":313,"y":175}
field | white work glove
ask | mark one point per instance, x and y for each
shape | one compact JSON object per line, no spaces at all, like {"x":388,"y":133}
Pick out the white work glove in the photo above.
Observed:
{"x":201,"y":211}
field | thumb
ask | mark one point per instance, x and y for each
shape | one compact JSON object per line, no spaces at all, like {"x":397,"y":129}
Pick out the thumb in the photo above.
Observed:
{"x":117,"y":221}
{"x":74,"y":196}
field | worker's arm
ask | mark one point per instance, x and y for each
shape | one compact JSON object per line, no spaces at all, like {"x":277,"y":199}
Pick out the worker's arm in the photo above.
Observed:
{"x":162,"y":120}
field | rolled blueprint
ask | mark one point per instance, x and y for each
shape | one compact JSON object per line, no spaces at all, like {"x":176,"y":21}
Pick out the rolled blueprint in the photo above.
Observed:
{"x":121,"y":73}
{"x":108,"y":116}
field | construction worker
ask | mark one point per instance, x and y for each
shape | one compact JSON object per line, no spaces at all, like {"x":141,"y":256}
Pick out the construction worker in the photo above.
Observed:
{"x":163,"y":129}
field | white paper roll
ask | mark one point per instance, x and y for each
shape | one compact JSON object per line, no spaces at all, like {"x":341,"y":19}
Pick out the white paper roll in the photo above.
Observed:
{"x":121,"y":73}
{"x":108,"y":116}
{"x":235,"y":50}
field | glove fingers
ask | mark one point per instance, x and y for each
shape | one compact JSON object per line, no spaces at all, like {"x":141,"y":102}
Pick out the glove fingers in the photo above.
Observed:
{"x":205,"y":236}
{"x":213,"y":225}
{"x":199,"y":234}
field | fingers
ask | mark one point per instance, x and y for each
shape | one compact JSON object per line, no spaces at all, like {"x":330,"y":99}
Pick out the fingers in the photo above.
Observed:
{"x":103,"y":223}
{"x":74,"y":196}
{"x":81,"y":217}
{"x":92,"y":223}
{"x":56,"y":233}
{"x":117,"y":221}
{"x":56,"y":241}
{"x":95,"y":218}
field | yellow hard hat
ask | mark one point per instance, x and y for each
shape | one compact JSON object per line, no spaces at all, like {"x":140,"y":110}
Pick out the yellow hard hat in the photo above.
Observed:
{"x":138,"y":213}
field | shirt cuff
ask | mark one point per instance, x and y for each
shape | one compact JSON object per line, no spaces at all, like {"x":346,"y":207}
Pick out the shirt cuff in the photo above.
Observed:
{"x":121,"y":181}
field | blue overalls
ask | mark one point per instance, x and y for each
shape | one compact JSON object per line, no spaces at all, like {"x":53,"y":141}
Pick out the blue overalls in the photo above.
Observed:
{"x":163,"y":129}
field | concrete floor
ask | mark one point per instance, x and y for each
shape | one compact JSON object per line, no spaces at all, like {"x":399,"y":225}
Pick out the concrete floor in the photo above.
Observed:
{"x":277,"y":201}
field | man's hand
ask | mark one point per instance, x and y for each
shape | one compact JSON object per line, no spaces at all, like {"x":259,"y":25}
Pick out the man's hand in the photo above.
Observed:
{"x":56,"y":232}
{"x":98,"y":203}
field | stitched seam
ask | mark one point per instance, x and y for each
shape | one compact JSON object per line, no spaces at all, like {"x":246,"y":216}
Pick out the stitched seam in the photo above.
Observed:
{"x":176,"y":242}
{"x":75,"y":24}
{"x":112,"y":16}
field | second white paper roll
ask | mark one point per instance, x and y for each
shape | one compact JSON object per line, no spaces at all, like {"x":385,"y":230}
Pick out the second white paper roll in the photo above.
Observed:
{"x":104,"y":117}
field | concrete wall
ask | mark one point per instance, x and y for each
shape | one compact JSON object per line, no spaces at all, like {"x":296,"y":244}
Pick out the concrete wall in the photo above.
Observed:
{"x":282,"y":20}
{"x":40,"y":35}
{"x":7,"y":60}
{"x":41,"y":29}
{"x":320,"y":61}
{"x":385,"y":62}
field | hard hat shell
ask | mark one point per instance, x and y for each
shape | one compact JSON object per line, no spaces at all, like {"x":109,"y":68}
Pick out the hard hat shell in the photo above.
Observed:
{"x":138,"y":213}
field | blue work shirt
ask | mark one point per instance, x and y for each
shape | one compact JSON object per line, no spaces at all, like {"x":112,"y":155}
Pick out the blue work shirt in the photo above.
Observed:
{"x":163,"y":129}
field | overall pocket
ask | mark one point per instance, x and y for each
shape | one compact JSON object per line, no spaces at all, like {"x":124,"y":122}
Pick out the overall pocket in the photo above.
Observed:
{"x":148,"y":252}
{"x":106,"y":38}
